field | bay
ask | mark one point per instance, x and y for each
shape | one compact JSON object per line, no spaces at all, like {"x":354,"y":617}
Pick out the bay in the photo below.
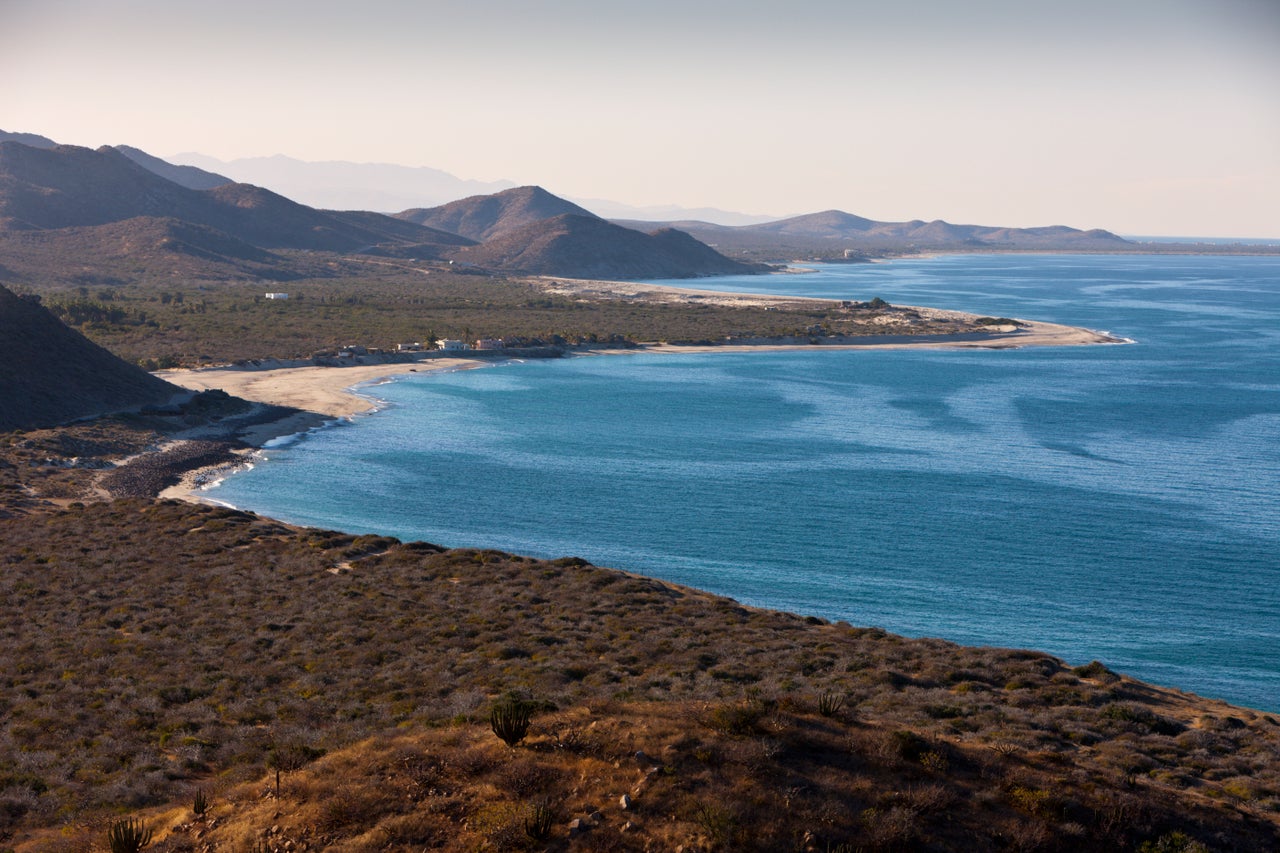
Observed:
{"x":1111,"y":502}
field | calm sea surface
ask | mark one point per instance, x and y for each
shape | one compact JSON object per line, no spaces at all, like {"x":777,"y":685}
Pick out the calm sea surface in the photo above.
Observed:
{"x":1111,"y":502}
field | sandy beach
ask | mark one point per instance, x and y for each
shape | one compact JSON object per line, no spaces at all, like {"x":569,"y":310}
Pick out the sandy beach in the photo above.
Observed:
{"x":321,"y":393}
{"x":322,"y":390}
{"x":326,"y":391}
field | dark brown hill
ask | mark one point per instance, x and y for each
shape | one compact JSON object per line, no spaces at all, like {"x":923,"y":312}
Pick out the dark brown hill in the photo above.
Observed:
{"x":589,"y":247}
{"x":483,"y":217}
{"x":68,"y":186}
{"x":50,"y":374}
{"x":143,"y":247}
{"x":187,"y":176}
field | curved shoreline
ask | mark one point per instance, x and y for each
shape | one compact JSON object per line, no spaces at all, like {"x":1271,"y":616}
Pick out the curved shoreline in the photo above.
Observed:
{"x":320,"y":395}
{"x":328,"y":390}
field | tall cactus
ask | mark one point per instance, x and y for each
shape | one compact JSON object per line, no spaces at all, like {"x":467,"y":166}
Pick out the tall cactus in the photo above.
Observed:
{"x":128,"y":836}
{"x":510,"y":718}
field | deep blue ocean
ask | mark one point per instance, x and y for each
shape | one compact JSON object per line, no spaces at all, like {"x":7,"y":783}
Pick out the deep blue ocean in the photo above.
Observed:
{"x":1113,"y":502}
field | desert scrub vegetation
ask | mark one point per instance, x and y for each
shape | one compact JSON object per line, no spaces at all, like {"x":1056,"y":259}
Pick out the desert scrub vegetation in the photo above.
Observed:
{"x":149,"y":650}
{"x":800,"y":782}
{"x":196,"y":322}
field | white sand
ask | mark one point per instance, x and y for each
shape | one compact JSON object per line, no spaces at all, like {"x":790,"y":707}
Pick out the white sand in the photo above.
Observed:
{"x":325,"y":390}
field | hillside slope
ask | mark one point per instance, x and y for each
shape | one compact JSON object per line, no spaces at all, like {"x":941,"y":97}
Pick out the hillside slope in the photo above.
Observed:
{"x":186,"y":176}
{"x":233,"y":643}
{"x":588,"y":247}
{"x":50,"y":374}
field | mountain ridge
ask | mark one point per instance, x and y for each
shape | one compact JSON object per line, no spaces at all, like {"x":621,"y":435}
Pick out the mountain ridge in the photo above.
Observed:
{"x":71,"y":186}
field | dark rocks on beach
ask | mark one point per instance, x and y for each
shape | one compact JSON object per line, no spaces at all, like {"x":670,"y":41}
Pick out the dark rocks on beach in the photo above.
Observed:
{"x":150,"y":474}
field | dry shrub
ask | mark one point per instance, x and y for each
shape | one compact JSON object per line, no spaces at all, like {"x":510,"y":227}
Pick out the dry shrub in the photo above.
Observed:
{"x":738,"y":718}
{"x":501,"y":824}
{"x":419,"y":830}
{"x":528,"y":776}
{"x":890,"y":828}
{"x":351,"y":808}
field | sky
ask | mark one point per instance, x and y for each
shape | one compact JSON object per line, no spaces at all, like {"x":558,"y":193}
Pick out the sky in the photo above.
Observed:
{"x":1144,"y":117}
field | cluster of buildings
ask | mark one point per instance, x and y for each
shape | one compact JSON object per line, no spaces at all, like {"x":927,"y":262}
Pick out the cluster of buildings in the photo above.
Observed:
{"x":453,"y":345}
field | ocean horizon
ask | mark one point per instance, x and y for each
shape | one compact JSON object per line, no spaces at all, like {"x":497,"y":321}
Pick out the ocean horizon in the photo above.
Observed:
{"x":1119,"y":503}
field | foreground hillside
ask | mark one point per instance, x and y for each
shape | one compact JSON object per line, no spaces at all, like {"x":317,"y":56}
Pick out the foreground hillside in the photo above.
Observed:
{"x":50,"y":374}
{"x":153,"y":649}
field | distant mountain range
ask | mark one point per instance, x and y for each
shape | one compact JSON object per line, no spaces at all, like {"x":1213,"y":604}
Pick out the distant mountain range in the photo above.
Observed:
{"x":51,"y":374}
{"x":340,"y":185}
{"x":384,"y":187}
{"x":122,"y":204}
{"x":799,"y":236}
{"x":148,"y":216}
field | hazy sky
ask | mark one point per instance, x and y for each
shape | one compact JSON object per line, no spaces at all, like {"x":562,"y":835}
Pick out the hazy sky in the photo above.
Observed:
{"x":1139,"y":116}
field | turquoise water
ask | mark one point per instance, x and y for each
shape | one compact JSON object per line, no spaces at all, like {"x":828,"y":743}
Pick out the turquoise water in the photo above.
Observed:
{"x":1111,"y":502}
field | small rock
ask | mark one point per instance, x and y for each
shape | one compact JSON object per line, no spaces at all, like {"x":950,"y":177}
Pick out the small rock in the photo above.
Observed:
{"x":576,"y":827}
{"x":624,"y":802}
{"x":627,"y":827}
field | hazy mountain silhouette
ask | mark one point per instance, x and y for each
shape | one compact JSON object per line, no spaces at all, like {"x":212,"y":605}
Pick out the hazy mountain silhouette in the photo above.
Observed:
{"x":340,"y":185}
{"x":186,"y":176}
{"x":69,"y":186}
{"x":845,"y":230}
{"x":578,"y":246}
{"x":33,"y":139}
{"x":483,"y":217}
{"x":51,"y":374}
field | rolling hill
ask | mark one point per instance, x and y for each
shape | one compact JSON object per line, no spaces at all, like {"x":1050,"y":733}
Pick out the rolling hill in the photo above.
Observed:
{"x":588,"y":247}
{"x":50,"y":374}
{"x":483,"y":217}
